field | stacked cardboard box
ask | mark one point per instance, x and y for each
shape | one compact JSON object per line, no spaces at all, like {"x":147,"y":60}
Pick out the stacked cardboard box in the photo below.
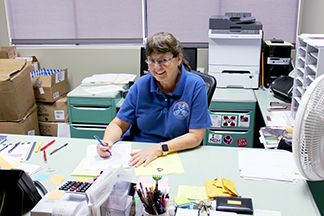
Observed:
{"x":50,"y":89}
{"x":52,"y":117}
{"x":8,"y":53}
{"x":18,"y":110}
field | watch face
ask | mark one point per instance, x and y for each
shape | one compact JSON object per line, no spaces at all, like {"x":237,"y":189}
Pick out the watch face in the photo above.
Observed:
{"x":165,"y":147}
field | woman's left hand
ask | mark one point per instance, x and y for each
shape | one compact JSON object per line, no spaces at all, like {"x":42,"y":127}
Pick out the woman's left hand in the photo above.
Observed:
{"x":145,"y":156}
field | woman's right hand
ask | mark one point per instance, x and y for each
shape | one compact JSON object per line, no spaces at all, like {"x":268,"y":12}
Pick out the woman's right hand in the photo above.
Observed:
{"x":102,"y":150}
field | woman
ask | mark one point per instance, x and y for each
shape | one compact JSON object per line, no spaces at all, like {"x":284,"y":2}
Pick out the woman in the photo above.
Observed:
{"x":167,"y":106}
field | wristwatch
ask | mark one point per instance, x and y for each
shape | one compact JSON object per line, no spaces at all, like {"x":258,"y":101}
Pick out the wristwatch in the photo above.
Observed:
{"x":165,"y":148}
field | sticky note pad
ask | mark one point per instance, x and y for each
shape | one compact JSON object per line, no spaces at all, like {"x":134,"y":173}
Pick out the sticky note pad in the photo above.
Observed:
{"x":56,"y":194}
{"x":82,"y":179}
{"x":4,"y":164}
{"x":181,"y":200}
{"x":56,"y":179}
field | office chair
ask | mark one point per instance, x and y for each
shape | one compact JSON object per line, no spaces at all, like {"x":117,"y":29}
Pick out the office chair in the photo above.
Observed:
{"x":210,"y":82}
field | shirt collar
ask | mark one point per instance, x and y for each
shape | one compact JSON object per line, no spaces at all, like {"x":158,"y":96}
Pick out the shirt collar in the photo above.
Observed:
{"x":180,"y":86}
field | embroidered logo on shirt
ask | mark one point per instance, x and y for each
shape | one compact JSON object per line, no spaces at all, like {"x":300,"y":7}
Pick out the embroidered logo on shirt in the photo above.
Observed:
{"x":181,"y":110}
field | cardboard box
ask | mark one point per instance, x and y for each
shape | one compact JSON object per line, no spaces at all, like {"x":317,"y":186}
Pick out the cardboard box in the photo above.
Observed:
{"x":53,"y":112}
{"x":16,"y":89}
{"x":51,"y":88}
{"x":48,"y":128}
{"x":8,"y":53}
{"x":31,"y":60}
{"x":57,"y":129}
{"x":26,"y":126}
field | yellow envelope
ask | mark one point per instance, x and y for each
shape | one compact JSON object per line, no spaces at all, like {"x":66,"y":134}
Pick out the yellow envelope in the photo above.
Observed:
{"x":229,"y":186}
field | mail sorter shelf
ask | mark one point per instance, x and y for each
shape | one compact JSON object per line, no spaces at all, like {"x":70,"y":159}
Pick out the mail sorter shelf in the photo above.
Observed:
{"x":90,"y":114}
{"x":233,"y":124}
{"x":309,"y":65}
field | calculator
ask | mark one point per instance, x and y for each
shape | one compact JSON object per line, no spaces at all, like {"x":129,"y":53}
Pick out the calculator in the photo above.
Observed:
{"x":75,"y":186}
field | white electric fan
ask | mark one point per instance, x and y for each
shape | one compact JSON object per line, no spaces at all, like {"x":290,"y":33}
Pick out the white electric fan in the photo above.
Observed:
{"x":308,"y":133}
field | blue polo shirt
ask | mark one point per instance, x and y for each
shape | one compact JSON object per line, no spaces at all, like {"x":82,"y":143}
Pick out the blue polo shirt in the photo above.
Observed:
{"x":155,"y":117}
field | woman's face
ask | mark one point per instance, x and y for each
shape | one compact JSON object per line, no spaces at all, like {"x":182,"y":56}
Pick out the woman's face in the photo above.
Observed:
{"x":164,"y":67}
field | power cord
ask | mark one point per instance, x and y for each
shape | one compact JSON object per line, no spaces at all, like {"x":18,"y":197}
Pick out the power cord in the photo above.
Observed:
{"x":2,"y":200}
{"x":40,"y":186}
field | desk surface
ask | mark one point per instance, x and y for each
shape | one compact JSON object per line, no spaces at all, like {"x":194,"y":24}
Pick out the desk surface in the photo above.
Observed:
{"x":200,"y":164}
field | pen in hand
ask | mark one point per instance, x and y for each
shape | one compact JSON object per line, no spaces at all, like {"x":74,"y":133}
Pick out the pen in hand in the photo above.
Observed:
{"x":97,"y":138}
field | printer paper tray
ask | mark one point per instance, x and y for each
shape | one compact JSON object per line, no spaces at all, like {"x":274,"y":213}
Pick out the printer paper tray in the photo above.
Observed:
{"x":236,"y":80}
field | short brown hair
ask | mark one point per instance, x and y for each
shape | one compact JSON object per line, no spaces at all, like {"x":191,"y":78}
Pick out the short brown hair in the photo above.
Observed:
{"x":164,"y":42}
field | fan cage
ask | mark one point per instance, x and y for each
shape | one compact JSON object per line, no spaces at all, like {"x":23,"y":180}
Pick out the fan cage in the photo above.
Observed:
{"x":311,"y":136}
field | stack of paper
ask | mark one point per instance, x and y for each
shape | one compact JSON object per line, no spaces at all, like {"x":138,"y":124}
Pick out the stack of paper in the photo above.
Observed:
{"x":109,"y":78}
{"x":275,"y":165}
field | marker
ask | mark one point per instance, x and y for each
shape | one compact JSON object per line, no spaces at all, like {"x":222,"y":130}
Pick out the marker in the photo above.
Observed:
{"x":14,"y":147}
{"x":97,"y":138}
{"x":55,"y":150}
{"x":38,"y":147}
{"x":50,"y":143}
{"x":45,"y":159}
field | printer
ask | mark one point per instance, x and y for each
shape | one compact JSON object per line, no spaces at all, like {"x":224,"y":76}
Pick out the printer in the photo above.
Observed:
{"x":234,"y":54}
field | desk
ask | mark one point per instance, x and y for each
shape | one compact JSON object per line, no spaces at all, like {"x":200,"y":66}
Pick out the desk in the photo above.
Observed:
{"x":209,"y":162}
{"x":264,"y":98}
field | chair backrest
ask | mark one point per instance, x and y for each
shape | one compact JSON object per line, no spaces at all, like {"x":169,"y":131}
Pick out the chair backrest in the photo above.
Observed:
{"x":210,"y":82}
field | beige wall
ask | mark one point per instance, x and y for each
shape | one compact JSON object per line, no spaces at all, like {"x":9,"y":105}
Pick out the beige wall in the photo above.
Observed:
{"x":311,"y":17}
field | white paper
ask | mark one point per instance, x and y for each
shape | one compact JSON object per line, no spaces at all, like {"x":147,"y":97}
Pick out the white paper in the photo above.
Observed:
{"x":276,"y":165}
{"x":259,"y":212}
{"x":29,"y":168}
{"x":20,"y":153}
{"x":63,"y":130}
{"x":280,"y":118}
{"x":104,"y":89}
{"x":120,"y":156}
{"x":100,"y":78}
{"x":194,"y":212}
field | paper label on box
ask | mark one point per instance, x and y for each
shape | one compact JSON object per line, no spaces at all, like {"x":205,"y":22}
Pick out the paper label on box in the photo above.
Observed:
{"x":215,"y":138}
{"x":59,"y":76}
{"x":59,"y":114}
{"x":56,"y":94}
{"x":41,"y":90}
{"x":31,"y":132}
{"x":244,"y":121}
{"x":216,"y":120}
{"x":229,"y":121}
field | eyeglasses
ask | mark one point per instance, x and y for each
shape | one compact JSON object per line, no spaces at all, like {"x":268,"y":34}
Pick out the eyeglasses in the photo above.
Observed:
{"x":160,"y":62}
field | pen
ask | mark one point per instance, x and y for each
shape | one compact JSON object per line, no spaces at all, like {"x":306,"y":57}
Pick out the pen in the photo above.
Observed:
{"x":4,"y":147}
{"x":14,"y":147}
{"x":45,"y":159}
{"x":55,"y":150}
{"x":38,"y":147}
{"x":97,"y":138}
{"x":50,"y":143}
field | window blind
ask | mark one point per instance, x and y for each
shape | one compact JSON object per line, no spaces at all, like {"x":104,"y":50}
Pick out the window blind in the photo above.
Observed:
{"x":121,"y":21}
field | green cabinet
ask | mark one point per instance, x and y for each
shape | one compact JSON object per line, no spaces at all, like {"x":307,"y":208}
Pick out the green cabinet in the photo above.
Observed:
{"x":91,"y":113}
{"x":233,"y":116}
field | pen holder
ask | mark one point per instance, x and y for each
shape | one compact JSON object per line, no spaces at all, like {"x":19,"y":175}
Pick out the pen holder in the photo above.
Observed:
{"x":147,"y":214}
